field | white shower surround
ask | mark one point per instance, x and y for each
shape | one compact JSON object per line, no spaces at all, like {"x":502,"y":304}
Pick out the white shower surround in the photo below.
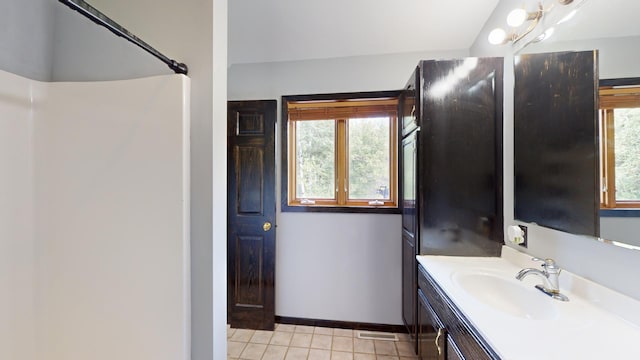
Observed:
{"x":94,"y":219}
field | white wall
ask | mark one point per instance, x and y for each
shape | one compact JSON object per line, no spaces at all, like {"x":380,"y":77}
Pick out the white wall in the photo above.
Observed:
{"x":610,"y":266}
{"x":334,"y":266}
{"x":26,"y":38}
{"x":189,"y":31}
{"x":17,"y":271}
{"x":112,"y":237}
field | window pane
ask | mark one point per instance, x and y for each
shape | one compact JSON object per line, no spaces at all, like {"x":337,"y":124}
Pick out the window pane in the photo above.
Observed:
{"x":315,"y":156}
{"x":627,"y":153}
{"x":369,"y":158}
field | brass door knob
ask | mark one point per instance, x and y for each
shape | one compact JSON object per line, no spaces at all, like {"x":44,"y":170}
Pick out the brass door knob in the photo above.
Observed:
{"x":266,"y":226}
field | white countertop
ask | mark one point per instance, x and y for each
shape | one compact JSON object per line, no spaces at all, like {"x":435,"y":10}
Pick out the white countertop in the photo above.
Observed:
{"x":596,"y":322}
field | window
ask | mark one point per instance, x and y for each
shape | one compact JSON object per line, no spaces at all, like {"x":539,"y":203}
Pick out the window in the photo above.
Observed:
{"x":341,"y":152}
{"x":620,"y":145}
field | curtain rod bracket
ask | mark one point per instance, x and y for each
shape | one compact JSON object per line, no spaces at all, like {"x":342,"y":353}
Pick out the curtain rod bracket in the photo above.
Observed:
{"x":179,"y":68}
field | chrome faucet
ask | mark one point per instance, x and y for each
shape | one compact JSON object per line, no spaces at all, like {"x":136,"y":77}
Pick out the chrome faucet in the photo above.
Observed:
{"x":549,"y":276}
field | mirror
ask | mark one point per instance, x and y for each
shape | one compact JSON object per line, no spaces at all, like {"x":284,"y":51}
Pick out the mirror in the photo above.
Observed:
{"x":612,"y":28}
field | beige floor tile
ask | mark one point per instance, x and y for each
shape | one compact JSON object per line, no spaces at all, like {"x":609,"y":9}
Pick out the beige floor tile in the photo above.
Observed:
{"x":359,"y":356}
{"x":242,"y":335}
{"x":343,"y":332}
{"x":274,"y":352}
{"x":301,"y":340}
{"x":304,"y":329}
{"x":285,"y":327}
{"x":341,"y":355}
{"x":234,"y":348}
{"x":319,"y":354}
{"x":321,"y":342}
{"x":384,"y":347}
{"x":295,"y":353}
{"x":292,"y":342}
{"x":281,"y":338}
{"x":405,"y":348}
{"x":253,"y":351}
{"x":342,"y":343}
{"x":323,"y":330}
{"x":363,"y":346}
{"x":261,"y":337}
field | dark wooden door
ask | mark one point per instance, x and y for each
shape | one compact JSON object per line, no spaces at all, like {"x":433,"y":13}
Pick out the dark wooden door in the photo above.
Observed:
{"x":251,"y":214}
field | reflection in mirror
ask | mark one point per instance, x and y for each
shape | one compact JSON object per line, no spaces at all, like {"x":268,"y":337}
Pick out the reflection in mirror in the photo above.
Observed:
{"x":612,"y":28}
{"x":555,"y":152}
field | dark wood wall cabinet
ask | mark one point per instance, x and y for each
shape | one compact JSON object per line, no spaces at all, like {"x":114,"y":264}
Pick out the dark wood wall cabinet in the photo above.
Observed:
{"x":443,"y":332}
{"x":451,"y":169}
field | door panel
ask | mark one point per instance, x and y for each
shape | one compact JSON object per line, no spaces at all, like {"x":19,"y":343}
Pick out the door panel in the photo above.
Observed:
{"x":249,"y":186}
{"x":251,"y":213}
{"x":409,"y":232}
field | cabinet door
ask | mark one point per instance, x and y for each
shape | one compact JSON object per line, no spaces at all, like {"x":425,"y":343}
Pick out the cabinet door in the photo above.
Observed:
{"x":410,"y":110}
{"x":409,"y":185}
{"x":409,"y":286}
{"x":453,"y":353}
{"x":409,"y":234}
{"x":432,"y":334}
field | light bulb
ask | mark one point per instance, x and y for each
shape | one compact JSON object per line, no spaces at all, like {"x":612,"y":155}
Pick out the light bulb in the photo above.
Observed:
{"x":516,"y":17}
{"x":497,"y":36}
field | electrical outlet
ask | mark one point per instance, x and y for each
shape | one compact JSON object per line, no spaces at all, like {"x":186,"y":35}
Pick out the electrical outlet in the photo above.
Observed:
{"x":524,"y":236}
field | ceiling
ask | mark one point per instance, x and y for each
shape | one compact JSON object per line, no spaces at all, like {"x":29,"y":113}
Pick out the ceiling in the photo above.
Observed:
{"x":286,"y":30}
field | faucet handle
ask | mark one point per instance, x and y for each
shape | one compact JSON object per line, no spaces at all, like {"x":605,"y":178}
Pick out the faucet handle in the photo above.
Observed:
{"x":548,"y":264}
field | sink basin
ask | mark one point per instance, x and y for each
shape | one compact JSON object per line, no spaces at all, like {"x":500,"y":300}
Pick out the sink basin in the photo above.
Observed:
{"x":506,"y":295}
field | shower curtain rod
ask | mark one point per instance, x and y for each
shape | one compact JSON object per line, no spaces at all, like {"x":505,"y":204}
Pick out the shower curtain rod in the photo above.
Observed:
{"x":99,"y":18}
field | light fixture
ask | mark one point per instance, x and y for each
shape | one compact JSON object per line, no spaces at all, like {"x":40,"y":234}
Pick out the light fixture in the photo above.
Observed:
{"x":516,"y":19}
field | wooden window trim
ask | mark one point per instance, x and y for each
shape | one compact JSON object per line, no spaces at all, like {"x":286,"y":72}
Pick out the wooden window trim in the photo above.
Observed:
{"x":614,"y":94}
{"x":323,"y":104}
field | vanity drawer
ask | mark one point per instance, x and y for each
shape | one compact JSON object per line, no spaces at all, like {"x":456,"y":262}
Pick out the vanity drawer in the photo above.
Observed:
{"x":467,"y":343}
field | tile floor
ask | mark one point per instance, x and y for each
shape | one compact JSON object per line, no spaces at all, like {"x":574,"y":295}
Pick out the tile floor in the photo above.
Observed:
{"x":293,"y":342}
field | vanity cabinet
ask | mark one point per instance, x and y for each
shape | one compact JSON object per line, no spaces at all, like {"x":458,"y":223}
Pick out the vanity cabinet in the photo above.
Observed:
{"x":443,"y":332}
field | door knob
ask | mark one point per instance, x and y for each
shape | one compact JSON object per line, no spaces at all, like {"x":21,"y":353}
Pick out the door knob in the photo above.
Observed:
{"x":266,"y":226}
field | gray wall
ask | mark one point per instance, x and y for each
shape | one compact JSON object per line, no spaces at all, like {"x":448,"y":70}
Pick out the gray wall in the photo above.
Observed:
{"x":84,"y":51}
{"x":26,"y":34}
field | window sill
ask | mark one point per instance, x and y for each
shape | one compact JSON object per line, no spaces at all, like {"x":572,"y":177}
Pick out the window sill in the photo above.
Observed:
{"x":341,"y":209}
{"x":619,"y":212}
